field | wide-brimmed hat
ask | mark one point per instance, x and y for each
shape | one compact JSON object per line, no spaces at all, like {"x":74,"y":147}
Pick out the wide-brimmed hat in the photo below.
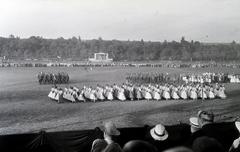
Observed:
{"x":159,"y":132}
{"x":111,"y":129}
{"x":237,"y":124}
{"x":194,"y":122}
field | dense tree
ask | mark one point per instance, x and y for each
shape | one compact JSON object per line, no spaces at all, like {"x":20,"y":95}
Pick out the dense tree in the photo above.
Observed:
{"x":77,"y":49}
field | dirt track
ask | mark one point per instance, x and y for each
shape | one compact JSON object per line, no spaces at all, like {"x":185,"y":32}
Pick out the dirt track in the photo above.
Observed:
{"x":24,"y":106}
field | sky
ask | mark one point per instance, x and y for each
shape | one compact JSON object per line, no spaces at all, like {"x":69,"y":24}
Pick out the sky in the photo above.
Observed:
{"x":150,"y":20}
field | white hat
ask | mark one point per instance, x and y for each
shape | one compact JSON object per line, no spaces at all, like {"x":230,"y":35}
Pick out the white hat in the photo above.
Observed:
{"x":194,"y":121}
{"x":159,"y":132}
{"x":237,"y":124}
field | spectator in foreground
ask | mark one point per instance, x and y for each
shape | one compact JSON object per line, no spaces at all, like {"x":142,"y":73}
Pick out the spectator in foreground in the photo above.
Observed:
{"x":204,"y":121}
{"x":158,"y":136}
{"x":139,"y":146}
{"x":178,"y":149}
{"x":205,"y":118}
{"x":107,"y":144}
{"x":236,"y":143}
{"x":206,"y":144}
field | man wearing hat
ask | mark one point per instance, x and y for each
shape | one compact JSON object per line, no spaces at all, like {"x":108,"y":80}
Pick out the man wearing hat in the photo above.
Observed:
{"x":211,"y":129}
{"x":205,"y":118}
{"x":107,"y":144}
{"x":158,"y":136}
{"x":159,"y":133}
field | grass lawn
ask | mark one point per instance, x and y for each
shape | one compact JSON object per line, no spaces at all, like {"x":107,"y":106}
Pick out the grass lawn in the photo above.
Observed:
{"x":25,"y":107}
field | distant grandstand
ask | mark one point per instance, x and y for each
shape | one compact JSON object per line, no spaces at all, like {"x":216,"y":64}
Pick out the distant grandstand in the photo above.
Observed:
{"x":100,"y":57}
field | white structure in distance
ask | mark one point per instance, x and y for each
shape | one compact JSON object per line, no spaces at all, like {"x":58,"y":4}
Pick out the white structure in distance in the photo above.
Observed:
{"x":100,"y":57}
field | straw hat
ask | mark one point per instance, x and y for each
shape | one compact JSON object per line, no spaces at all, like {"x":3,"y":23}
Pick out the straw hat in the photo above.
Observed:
{"x":111,"y":129}
{"x":159,"y":132}
{"x":194,"y":121}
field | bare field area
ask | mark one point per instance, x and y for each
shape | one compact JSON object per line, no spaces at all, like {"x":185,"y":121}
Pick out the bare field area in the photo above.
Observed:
{"x":25,"y":107}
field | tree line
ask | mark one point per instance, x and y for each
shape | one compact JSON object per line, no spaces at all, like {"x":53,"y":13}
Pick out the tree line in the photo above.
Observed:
{"x":77,"y":49}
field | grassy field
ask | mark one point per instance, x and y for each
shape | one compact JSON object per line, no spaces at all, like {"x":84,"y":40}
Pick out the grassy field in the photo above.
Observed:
{"x":25,"y":107}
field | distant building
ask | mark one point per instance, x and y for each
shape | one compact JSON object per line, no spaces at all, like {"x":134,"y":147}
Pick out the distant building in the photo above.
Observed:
{"x":100,"y":57}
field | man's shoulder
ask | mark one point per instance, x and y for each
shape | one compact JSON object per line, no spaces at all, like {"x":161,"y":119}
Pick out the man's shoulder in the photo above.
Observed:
{"x":113,"y":147}
{"x":99,"y":141}
{"x":98,"y":145}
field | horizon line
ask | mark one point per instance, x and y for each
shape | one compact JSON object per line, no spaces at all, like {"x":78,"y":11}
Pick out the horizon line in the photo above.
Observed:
{"x":179,"y":40}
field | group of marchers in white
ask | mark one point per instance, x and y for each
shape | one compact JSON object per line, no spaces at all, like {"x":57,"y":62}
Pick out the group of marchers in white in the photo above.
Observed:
{"x":138,"y":92}
{"x":209,"y":77}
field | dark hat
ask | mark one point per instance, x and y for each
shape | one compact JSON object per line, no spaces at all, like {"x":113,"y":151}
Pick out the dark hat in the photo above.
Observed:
{"x":139,"y":146}
{"x":178,"y":149}
{"x":206,"y":144}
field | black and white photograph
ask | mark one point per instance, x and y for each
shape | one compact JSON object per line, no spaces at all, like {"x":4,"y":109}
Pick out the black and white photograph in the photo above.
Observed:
{"x":119,"y":75}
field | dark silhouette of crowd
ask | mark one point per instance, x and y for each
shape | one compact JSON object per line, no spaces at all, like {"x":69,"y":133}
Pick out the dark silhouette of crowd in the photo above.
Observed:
{"x":202,"y":134}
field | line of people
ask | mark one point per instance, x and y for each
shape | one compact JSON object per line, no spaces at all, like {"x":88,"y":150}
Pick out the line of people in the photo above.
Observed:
{"x":210,"y":77}
{"x":150,"y":77}
{"x":52,"y":78}
{"x":207,"y":77}
{"x":138,"y":92}
{"x":172,"y":64}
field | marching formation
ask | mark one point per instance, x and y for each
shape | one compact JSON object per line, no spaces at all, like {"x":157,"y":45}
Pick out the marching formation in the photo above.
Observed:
{"x":138,"y":92}
{"x":157,"y":77}
{"x":51,"y":78}
{"x":207,"y":77}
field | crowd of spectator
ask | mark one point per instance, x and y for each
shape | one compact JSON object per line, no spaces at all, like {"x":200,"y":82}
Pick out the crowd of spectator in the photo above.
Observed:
{"x":169,"y":64}
{"x":205,"y":135}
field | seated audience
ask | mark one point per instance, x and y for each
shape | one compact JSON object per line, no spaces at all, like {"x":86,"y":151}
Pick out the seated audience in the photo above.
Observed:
{"x":107,"y":144}
{"x":224,"y":132}
{"x":139,"y":146}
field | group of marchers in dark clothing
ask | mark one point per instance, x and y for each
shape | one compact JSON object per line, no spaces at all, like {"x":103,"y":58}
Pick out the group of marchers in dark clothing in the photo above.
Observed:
{"x":201,"y":135}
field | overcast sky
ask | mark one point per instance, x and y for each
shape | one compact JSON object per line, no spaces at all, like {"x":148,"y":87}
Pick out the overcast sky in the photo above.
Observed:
{"x":155,"y":20}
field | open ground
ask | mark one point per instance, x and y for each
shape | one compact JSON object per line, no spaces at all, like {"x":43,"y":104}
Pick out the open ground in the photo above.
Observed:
{"x":25,"y":107}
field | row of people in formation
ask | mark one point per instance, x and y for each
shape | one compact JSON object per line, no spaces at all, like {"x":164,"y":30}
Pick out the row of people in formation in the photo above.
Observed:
{"x":143,"y":92}
{"x":210,"y":77}
{"x":207,"y":77}
{"x":52,"y":78}
{"x":234,"y":78}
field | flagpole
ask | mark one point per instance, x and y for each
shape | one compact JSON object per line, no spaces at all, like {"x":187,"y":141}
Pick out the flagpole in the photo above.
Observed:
{"x":202,"y":88}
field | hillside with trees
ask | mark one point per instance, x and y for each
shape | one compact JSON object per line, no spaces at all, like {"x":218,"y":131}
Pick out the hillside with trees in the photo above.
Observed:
{"x":77,"y":49}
